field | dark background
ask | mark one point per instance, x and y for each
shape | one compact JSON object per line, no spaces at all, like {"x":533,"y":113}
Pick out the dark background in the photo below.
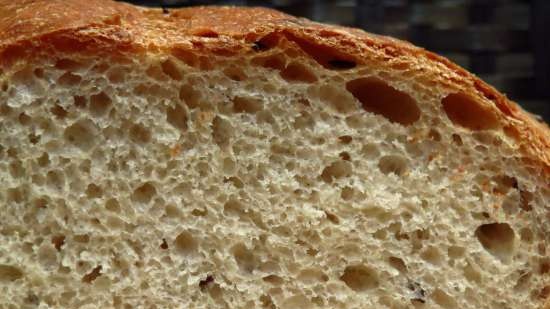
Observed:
{"x":505,"y":42}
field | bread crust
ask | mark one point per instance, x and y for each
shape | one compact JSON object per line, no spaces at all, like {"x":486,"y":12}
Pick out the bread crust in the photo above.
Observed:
{"x":103,"y":26}
{"x":31,"y":28}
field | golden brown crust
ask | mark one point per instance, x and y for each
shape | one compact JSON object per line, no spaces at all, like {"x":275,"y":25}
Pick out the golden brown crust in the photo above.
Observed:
{"x":104,"y":26}
{"x":29,"y":28}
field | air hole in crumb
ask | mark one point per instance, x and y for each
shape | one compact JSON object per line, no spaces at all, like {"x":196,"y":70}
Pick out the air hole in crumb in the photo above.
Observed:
{"x":112,"y":205}
{"x":418,"y":293}
{"x":378,"y":97}
{"x":116,"y":75}
{"x":370,"y":151}
{"x":188,"y":57}
{"x":169,"y":68}
{"x":526,"y":235}
{"x":16,"y":169}
{"x":304,"y":102}
{"x":236,"y":181}
{"x":155,"y":72}
{"x":457,"y":140}
{"x":216,"y":292}
{"x":544,"y":265}
{"x":92,"y":275}
{"x":443,"y":299}
{"x":273,"y":279}
{"x":16,"y":195}
{"x":206,"y":33}
{"x":185,"y":243}
{"x":114,"y":223}
{"x":303,"y":121}
{"x":345,"y":139}
{"x":267,"y":42}
{"x":34,"y":139}
{"x":247,"y":105}
{"x":336,"y":170}
{"x":344,"y":155}
{"x":312,"y":275}
{"x":328,"y":56}
{"x":434,"y":135}
{"x":40,"y":203}
{"x":332,"y":217}
{"x":94,"y":191}
{"x":398,"y":264}
{"x":465,"y":111}
{"x":432,"y":256}
{"x":101,"y":67}
{"x":497,"y":239}
{"x":319,"y":301}
{"x":276,"y":62}
{"x":296,"y":72}
{"x":47,"y":255}
{"x":32,"y":299}
{"x":9,"y":273}
{"x":144,"y":193}
{"x":525,"y":198}
{"x":481,"y":216}
{"x":235,"y":74}
{"x":455,"y":252}
{"x":393,"y":164}
{"x":79,"y":101}
{"x":24,"y":119}
{"x":267,"y":302}
{"x":68,"y":65}
{"x":39,"y":72}
{"x":177,"y":117}
{"x":422,"y":234}
{"x":401,"y":66}
{"x":164,"y":244}
{"x":347,"y":193}
{"x":172,"y":211}
{"x":69,"y":79}
{"x":504,"y":183}
{"x":55,"y":180}
{"x":139,"y":134}
{"x":99,"y":104}
{"x":544,"y":292}
{"x":360,"y":278}
{"x":58,"y":111}
{"x":233,"y":208}
{"x":199,"y":212}
{"x":221,"y":131}
{"x":341,"y":64}
{"x":82,"y":238}
{"x":81,"y":134}
{"x":229,"y":166}
{"x":244,"y":257}
{"x":26,"y":77}
{"x":206,"y":282}
{"x":297,"y":301}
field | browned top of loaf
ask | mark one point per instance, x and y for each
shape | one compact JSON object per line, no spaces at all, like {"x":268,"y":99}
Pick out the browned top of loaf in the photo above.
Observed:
{"x":31,"y":27}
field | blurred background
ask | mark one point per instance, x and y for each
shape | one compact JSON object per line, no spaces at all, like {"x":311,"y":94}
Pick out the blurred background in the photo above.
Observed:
{"x":505,"y":42}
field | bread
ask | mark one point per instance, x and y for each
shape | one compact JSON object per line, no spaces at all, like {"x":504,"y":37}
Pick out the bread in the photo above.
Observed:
{"x":221,"y":157}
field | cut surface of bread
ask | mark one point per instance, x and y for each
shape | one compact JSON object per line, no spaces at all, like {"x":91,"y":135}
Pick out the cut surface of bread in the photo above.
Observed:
{"x":219,"y":157}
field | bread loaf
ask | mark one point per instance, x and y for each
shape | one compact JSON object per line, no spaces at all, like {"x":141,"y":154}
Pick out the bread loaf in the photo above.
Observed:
{"x":222,"y":157}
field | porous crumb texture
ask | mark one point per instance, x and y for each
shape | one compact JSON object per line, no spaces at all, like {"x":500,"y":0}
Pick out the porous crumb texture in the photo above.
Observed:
{"x":264,"y":181}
